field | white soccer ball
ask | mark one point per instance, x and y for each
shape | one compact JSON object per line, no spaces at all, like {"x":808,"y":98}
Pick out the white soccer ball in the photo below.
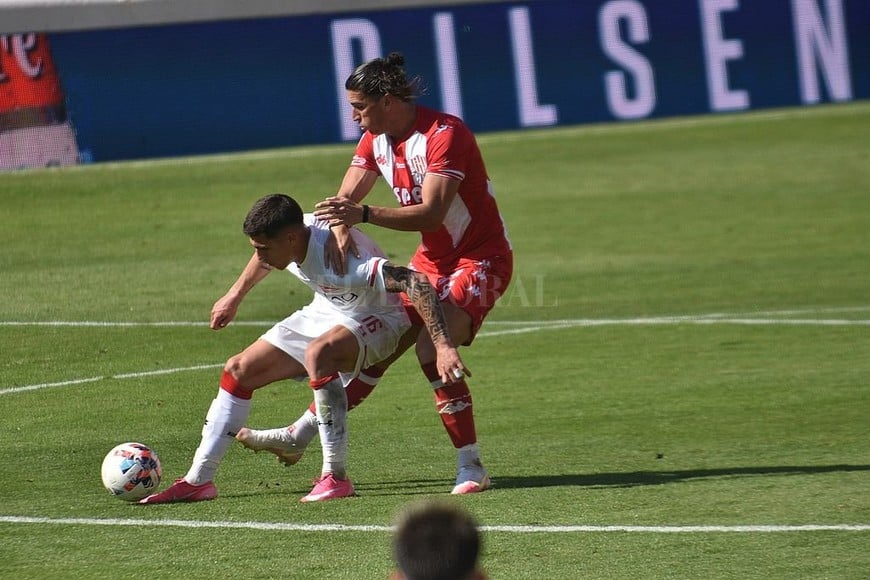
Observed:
{"x":131,"y":471}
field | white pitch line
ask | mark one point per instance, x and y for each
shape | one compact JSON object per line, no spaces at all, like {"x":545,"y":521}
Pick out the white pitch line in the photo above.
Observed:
{"x":513,"y":529}
{"x":10,"y":390}
{"x":532,"y":324}
{"x":799,"y":311}
{"x":781,"y":322}
{"x":587,"y":323}
{"x":274,"y":526}
{"x":767,"y":529}
{"x":115,"y":324}
{"x":524,"y":328}
{"x":49,"y":385}
{"x":165,"y":371}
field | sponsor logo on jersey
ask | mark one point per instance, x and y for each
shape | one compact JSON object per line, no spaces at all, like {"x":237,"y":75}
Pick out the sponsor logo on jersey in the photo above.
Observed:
{"x":344,"y":299}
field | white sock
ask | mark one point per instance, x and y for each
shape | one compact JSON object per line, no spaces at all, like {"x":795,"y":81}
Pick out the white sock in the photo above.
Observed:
{"x":331,"y":403}
{"x":468,"y":454}
{"x":305,"y":427}
{"x":226,"y":415}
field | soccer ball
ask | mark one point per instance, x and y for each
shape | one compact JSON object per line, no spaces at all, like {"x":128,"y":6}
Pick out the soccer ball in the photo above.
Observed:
{"x":131,"y":471}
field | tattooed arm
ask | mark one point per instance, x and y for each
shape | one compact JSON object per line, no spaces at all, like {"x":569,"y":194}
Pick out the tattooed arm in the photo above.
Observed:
{"x":422,"y":295}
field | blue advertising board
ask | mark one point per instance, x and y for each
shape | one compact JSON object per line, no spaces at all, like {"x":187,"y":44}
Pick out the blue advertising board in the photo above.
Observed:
{"x":259,"y":83}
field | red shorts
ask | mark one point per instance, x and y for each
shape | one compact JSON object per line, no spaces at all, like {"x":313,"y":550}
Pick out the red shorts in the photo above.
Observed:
{"x":473,"y":285}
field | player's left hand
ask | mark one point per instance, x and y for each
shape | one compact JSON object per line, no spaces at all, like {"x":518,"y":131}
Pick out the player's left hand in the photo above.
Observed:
{"x":223,"y":311}
{"x":450,"y":366}
{"x":339,"y":210}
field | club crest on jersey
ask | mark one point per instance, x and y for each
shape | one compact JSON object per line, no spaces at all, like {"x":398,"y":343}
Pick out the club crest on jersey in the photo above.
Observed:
{"x":418,"y":167}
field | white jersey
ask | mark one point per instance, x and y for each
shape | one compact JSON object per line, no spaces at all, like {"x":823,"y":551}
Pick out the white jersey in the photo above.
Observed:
{"x":361,"y":291}
{"x":358,"y":301}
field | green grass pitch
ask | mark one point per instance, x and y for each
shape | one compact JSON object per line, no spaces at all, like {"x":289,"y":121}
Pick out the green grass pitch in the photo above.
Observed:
{"x":675,"y":385}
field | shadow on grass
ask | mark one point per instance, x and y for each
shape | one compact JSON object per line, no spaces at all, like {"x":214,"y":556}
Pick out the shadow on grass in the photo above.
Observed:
{"x":640,"y":478}
{"x":603,"y":480}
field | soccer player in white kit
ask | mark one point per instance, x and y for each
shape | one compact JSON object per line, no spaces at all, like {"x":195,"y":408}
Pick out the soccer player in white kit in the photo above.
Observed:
{"x":354,"y":320}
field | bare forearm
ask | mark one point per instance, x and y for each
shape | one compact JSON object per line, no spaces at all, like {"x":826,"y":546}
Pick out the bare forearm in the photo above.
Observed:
{"x":356,"y":184}
{"x":413,"y":218}
{"x":224,"y":310}
{"x":428,"y":215}
{"x":253,"y":273}
{"x":435,"y":198}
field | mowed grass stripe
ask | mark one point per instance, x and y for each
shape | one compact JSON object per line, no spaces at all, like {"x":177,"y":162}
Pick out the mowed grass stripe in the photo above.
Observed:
{"x":535,"y":326}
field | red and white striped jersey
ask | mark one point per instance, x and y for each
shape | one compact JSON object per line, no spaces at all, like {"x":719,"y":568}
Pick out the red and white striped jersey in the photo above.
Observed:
{"x":441,"y":144}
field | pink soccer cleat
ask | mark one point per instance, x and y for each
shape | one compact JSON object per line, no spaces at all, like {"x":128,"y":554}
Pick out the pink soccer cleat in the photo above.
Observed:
{"x":329,"y":487}
{"x":181,"y":491}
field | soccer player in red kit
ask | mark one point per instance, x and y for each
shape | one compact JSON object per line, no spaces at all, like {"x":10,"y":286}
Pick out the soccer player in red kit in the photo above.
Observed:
{"x":432,"y":163}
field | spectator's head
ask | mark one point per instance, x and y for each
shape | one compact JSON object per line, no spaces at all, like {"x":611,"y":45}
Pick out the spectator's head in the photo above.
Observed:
{"x":436,"y":541}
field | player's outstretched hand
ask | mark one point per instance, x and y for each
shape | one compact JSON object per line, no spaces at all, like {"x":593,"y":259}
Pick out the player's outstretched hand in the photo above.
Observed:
{"x":223,"y":312}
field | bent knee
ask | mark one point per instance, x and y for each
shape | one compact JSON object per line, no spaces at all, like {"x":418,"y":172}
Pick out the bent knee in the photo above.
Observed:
{"x":316,"y":354}
{"x":237,"y":367}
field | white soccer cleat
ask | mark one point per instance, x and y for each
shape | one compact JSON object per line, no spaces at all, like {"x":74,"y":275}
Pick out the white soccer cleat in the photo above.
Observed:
{"x":472,"y":478}
{"x":278,"y":441}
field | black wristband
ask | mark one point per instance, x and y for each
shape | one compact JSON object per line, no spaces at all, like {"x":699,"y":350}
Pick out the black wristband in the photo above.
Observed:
{"x":365,"y":217}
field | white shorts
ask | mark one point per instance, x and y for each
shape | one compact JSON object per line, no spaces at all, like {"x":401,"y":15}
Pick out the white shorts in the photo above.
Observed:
{"x":377,"y":334}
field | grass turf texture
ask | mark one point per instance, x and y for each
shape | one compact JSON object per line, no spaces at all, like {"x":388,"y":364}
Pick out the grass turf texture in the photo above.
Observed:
{"x":658,"y":422}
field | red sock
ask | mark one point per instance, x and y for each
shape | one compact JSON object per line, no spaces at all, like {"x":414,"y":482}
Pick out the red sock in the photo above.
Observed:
{"x":317,"y":383}
{"x":359,"y":388}
{"x":453,"y":403}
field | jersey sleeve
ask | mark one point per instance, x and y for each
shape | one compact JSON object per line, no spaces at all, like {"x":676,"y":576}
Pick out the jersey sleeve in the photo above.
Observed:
{"x":364,"y":156}
{"x":448,"y":150}
{"x":370,"y":274}
{"x":309,"y":219}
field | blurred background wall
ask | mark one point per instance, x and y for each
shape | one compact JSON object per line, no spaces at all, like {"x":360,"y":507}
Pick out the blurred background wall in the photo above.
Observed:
{"x":111,"y":80}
